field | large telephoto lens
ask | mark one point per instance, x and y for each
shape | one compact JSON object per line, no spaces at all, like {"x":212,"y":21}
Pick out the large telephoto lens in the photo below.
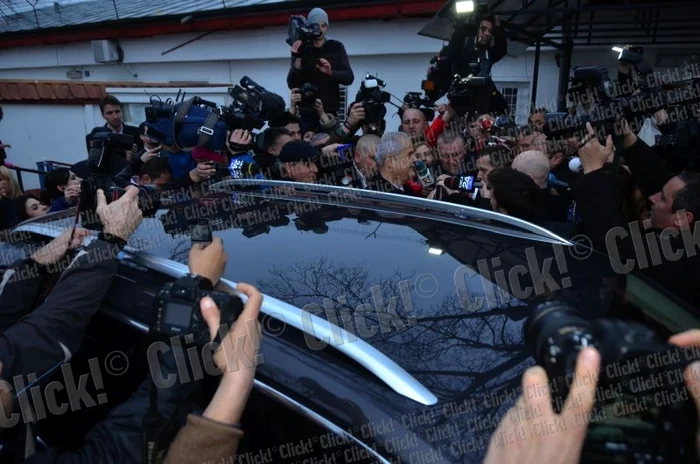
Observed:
{"x":554,"y":328}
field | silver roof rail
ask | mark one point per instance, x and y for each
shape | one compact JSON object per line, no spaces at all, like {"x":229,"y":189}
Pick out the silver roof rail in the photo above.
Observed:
{"x":380,"y":365}
{"x":395,"y":203}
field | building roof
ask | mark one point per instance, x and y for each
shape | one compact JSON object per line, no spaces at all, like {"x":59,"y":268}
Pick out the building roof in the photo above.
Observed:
{"x":68,"y":92}
{"x":52,"y":14}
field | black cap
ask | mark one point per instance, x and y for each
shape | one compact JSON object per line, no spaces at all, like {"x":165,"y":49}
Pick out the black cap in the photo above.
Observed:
{"x":298,"y":151}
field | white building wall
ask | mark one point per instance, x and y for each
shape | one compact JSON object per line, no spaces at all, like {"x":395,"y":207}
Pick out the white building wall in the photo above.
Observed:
{"x":391,"y":50}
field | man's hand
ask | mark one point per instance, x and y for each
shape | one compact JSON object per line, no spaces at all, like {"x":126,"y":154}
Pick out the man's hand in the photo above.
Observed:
{"x":294,"y":100}
{"x":592,"y":154}
{"x":661,"y":117}
{"x":208,"y":260}
{"x":356,"y":116}
{"x":152,"y":153}
{"x":58,"y":247}
{"x":449,"y":114}
{"x":72,"y":193}
{"x":319,"y":107}
{"x":330,"y":149}
{"x":202,"y":172}
{"x":519,"y":438}
{"x":692,"y":373}
{"x":121,"y":217}
{"x":296,"y":46}
{"x":240,"y":137}
{"x":324,"y":66}
{"x":230,"y":398}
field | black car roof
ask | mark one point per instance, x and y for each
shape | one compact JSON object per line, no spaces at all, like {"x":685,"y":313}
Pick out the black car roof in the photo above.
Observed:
{"x":418,"y":274}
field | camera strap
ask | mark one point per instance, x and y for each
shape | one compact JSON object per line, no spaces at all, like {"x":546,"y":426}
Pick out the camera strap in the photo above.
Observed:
{"x":207,"y":130}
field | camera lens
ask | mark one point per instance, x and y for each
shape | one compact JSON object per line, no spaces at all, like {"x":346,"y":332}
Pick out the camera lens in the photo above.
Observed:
{"x":554,"y":331}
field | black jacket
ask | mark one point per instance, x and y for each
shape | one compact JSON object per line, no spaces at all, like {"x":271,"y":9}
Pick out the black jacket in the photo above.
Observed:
{"x":551,"y":207}
{"x":328,"y":86}
{"x":462,"y":52}
{"x":51,"y":333}
{"x":598,"y":200}
{"x":380,"y":184}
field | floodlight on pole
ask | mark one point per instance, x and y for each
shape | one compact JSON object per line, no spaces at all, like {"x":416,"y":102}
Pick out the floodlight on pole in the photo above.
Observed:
{"x":465,"y":6}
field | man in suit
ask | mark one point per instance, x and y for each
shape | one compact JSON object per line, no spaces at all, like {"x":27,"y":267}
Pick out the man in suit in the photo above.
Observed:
{"x":111,"y":109}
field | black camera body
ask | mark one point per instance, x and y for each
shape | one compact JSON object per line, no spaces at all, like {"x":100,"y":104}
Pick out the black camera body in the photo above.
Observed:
{"x":176,"y":310}
{"x":417,"y":101}
{"x":466,"y":94}
{"x":105,"y":147}
{"x":373,"y":99}
{"x":309,"y":94}
{"x":437,"y":79}
{"x":633,"y":414}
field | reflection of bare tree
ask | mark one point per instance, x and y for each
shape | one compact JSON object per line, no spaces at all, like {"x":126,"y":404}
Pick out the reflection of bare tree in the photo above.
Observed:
{"x":455,"y":353}
{"x":181,"y":251}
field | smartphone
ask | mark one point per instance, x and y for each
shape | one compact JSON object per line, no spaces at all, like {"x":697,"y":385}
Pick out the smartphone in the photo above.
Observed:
{"x":200,"y":231}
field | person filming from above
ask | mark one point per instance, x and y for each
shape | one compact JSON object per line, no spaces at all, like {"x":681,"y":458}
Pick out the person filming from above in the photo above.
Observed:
{"x":320,"y":62}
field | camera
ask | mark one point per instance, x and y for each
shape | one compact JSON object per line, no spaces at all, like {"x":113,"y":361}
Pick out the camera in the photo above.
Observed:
{"x":104,"y":150}
{"x":417,"y":101}
{"x":301,"y":29}
{"x":633,"y":415}
{"x":373,"y":99}
{"x":176,"y":310}
{"x":465,"y":94}
{"x":437,"y":79}
{"x":199,"y":123}
{"x":308,"y":95}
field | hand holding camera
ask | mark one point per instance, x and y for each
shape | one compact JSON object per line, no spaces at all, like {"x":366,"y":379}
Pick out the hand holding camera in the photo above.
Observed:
{"x":152,"y":153}
{"x":208,"y":261}
{"x":533,"y":413}
{"x":357,"y":115}
{"x":120,"y":218}
{"x":230,"y":399}
{"x":72,"y":193}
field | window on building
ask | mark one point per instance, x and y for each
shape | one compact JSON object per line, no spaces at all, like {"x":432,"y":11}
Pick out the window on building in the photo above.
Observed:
{"x":343,"y":105}
{"x":134,"y":114}
{"x":511,"y":96}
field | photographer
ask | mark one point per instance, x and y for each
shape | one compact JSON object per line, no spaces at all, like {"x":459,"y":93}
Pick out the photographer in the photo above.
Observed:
{"x":322,"y":63}
{"x":111,"y":110}
{"x":487,"y":48}
{"x":674,"y":212}
{"x":311,"y":116}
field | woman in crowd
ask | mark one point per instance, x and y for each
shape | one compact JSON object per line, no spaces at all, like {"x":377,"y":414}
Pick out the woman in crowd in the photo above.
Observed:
{"x":513,"y":193}
{"x":9,"y":188}
{"x":29,"y":207}
{"x":63,"y":187}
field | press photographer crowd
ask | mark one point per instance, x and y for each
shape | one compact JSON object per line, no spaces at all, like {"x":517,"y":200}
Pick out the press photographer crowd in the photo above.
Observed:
{"x":620,"y":160}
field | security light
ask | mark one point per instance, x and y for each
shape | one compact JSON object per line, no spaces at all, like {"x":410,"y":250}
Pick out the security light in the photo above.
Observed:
{"x":465,"y":6}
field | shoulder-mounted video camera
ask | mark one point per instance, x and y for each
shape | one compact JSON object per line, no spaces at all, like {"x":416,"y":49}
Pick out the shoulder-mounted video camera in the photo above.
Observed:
{"x":307,"y":33}
{"x":176,"y":310}
{"x":196,"y":122}
{"x":373,"y":98}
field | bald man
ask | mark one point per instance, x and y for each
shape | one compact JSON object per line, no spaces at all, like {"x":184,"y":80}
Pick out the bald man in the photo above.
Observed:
{"x":535,"y":164}
{"x":414,"y":123}
{"x":365,"y":158}
{"x":551,"y":206}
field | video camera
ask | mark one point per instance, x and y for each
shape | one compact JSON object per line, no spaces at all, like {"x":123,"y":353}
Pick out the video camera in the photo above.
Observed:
{"x":105,"y":147}
{"x":199,"y":123}
{"x":176,"y":310}
{"x":417,"y":101}
{"x":634,"y":414}
{"x":466,"y":94}
{"x":592,"y":87}
{"x":373,"y":99}
{"x":437,"y":80}
{"x":301,"y":29}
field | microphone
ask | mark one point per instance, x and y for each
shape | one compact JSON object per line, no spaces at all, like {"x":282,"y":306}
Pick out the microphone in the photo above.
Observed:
{"x":424,"y":176}
{"x":552,"y":182}
{"x":575,"y":165}
{"x":463,"y":183}
{"x":240,"y":169}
